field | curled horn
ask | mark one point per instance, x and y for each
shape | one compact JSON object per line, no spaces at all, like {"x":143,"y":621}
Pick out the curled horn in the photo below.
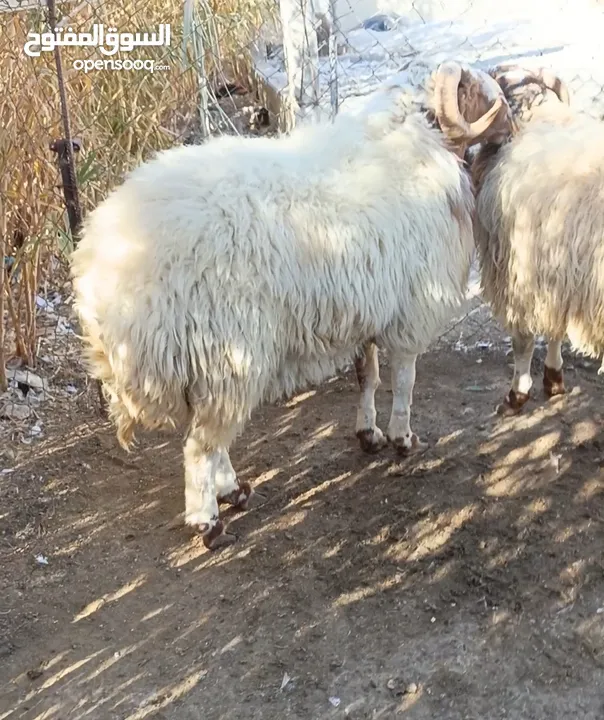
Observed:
{"x":543,"y":76}
{"x":447,"y":109}
{"x":553,"y":82}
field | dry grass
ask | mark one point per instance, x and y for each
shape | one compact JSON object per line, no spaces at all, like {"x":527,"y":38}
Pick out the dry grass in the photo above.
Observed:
{"x":121,"y":117}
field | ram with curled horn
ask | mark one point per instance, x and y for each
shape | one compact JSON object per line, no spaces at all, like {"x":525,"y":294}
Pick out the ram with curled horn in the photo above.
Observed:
{"x":229,"y":274}
{"x":539,"y":228}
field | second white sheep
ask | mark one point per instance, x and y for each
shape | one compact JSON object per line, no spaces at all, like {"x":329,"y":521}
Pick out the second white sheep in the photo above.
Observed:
{"x":540,"y":228}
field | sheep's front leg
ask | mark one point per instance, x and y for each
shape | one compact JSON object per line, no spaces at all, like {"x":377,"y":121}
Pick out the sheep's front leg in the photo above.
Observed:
{"x":553,"y":377}
{"x":403,"y":381}
{"x":229,"y":489}
{"x":367,"y":367}
{"x":523,"y":346}
{"x":201,"y":505}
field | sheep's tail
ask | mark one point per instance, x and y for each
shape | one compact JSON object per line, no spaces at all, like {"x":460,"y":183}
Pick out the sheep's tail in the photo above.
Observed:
{"x":120,"y":410}
{"x":128,"y":406}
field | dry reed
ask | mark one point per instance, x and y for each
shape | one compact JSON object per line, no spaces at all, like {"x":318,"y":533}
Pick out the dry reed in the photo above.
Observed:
{"x":120,"y":117}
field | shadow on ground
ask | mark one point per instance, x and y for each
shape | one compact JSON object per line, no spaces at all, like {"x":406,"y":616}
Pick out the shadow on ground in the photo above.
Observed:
{"x":466,"y":583}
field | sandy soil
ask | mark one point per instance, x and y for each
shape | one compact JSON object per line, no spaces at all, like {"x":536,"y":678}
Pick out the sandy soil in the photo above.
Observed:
{"x":463,"y":584}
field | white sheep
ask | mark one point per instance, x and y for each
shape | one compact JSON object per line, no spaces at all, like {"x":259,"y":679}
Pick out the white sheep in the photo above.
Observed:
{"x":222,"y":276}
{"x":539,"y":228}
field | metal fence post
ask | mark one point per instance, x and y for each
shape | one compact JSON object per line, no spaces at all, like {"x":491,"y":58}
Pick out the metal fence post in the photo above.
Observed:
{"x":69,"y":182}
{"x":66,"y":149}
{"x":333,"y":59}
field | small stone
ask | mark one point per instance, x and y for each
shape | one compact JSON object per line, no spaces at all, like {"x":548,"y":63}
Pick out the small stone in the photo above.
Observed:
{"x":391,"y":684}
{"x":411,"y":689}
{"x":15,"y":411}
{"x":555,"y":461}
{"x":27,"y":377}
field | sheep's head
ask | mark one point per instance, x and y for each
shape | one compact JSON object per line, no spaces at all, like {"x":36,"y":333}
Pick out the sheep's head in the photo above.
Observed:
{"x":525,"y":90}
{"x":470,"y":107}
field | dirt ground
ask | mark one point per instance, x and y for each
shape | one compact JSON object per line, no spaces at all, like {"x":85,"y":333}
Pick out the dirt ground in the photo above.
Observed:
{"x":463,"y":584}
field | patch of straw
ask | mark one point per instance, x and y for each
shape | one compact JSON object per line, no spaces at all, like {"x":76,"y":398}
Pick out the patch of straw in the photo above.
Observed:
{"x":120,"y":117}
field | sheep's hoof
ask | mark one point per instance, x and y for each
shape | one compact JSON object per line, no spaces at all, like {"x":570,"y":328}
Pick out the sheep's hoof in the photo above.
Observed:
{"x":513,"y":403}
{"x":371,"y":440}
{"x":407,"y":446}
{"x":214,"y":536}
{"x":217,"y":538}
{"x":244,"y":498}
{"x":553,"y":382}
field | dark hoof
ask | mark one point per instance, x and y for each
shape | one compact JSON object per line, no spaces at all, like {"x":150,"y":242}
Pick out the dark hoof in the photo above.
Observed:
{"x":513,"y":403}
{"x":217,"y":538}
{"x":371,"y":441}
{"x":553,"y":382}
{"x":244,"y":497}
{"x":407,"y":446}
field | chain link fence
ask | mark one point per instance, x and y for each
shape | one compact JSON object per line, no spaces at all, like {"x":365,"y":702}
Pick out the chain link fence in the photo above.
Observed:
{"x":130,"y":78}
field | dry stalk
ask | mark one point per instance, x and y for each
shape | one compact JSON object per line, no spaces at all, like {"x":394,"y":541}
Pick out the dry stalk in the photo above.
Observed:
{"x":3,"y":378}
{"x":122,"y":118}
{"x":14,"y":316}
{"x":30,"y":311}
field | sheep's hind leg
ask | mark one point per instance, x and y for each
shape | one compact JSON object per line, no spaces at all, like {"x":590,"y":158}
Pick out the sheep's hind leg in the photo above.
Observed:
{"x":553,"y":377}
{"x":403,"y":382}
{"x":201,"y":505}
{"x":230,"y":490}
{"x":367,"y":367}
{"x":523,"y":346}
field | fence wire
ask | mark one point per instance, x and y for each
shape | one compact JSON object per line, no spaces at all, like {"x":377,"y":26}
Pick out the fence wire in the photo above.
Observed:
{"x":250,"y":67}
